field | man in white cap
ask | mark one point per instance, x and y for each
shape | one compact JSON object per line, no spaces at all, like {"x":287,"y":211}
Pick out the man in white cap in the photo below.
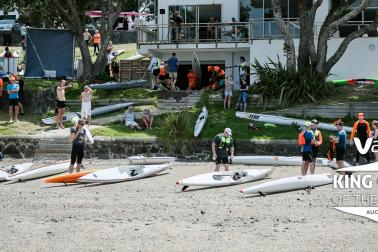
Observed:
{"x":222,"y":146}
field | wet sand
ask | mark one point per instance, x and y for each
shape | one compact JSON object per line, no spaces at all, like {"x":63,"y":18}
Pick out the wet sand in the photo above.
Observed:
{"x":153,"y":215}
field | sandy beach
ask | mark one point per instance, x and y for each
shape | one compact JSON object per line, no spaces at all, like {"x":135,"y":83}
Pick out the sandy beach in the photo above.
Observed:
{"x":153,"y":215}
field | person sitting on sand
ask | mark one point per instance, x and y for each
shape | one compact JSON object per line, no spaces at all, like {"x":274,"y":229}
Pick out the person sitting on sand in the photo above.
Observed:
{"x":130,"y":119}
{"x":148,"y":118}
{"x":221,"y":146}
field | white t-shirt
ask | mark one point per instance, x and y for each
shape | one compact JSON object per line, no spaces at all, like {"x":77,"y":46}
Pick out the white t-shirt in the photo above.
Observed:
{"x":154,"y":64}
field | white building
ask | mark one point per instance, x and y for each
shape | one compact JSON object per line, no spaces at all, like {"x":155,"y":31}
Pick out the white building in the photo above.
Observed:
{"x":253,"y":35}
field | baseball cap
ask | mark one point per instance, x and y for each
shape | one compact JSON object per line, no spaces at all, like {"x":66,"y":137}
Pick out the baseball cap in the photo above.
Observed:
{"x":314,"y":121}
{"x":228,"y":131}
{"x":360,"y":115}
{"x":307,"y":124}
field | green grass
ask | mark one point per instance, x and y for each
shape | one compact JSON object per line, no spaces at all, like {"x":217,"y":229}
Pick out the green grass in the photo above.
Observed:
{"x":135,"y":93}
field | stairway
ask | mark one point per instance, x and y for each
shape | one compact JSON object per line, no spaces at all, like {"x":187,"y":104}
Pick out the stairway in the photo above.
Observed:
{"x":53,"y":149}
{"x":177,"y":104}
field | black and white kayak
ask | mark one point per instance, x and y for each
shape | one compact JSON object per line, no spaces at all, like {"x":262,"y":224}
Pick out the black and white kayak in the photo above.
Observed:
{"x":95,"y":112}
{"x":224,"y":178}
{"x":290,"y":184}
{"x":200,"y":123}
{"x":118,"y":85}
{"x":66,"y":118}
{"x":285,"y":121}
{"x":124,"y":173}
{"x":14,"y":170}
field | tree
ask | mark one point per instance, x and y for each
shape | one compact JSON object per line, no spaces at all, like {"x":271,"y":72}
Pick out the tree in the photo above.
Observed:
{"x":70,"y":14}
{"x":312,"y":55}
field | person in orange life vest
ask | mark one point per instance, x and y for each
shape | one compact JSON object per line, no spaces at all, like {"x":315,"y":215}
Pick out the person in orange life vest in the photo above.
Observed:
{"x":192,"y":78}
{"x":96,"y":42}
{"x":362,"y":128}
{"x":316,"y":144}
{"x":163,"y":74}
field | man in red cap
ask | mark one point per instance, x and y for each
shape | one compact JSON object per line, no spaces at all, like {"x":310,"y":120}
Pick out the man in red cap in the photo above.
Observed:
{"x":362,"y":129}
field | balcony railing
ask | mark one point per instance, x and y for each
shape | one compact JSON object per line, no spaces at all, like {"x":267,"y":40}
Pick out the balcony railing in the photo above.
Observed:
{"x":194,"y":33}
{"x":244,"y":32}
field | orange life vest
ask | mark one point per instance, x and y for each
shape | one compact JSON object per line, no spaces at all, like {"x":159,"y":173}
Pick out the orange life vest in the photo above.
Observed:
{"x":192,"y":80}
{"x":301,"y":139}
{"x":162,"y":71}
{"x":97,"y":38}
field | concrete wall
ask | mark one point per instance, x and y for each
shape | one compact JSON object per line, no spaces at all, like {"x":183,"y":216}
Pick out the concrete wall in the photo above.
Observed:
{"x":359,"y":60}
{"x":106,"y":148}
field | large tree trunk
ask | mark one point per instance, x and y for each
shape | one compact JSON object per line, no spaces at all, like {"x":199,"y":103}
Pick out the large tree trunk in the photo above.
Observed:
{"x":290,"y":48}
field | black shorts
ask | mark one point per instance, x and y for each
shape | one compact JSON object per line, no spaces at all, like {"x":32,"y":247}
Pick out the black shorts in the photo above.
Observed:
{"x":87,"y":42}
{"x":163,"y":77}
{"x":307,"y":156}
{"x":222,"y":160}
{"x":77,"y":154}
{"x":315,"y":151}
{"x":13,"y":102}
{"x":61,"y":104}
{"x":156,"y":72}
{"x":340,"y":154}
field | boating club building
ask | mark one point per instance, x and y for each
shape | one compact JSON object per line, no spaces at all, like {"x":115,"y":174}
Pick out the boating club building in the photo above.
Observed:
{"x":220,"y":31}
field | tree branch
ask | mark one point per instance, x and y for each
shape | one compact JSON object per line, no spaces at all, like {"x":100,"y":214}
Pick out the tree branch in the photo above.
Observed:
{"x":345,"y":43}
{"x":350,"y":15}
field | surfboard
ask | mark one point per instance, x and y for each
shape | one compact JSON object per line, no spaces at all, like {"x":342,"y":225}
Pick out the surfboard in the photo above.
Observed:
{"x":372,"y":167}
{"x":200,"y":123}
{"x":290,"y":184}
{"x":14,"y":170}
{"x":224,"y":178}
{"x":67,"y":178}
{"x":275,"y":160}
{"x":285,"y":121}
{"x":125,"y":173}
{"x":118,"y":85}
{"x":196,"y":67}
{"x":142,"y":160}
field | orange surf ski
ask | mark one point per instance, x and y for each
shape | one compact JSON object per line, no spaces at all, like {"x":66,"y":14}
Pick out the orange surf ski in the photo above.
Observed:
{"x":67,"y":178}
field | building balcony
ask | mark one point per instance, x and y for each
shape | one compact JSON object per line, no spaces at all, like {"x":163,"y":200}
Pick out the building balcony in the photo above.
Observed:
{"x":195,"y":35}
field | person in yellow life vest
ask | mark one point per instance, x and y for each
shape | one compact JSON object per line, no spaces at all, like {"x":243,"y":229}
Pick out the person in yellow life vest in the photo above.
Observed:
{"x":96,"y":42}
{"x":192,"y":78}
{"x":163,"y":75}
{"x":318,"y":140}
{"x":361,"y":130}
{"x":222,"y":146}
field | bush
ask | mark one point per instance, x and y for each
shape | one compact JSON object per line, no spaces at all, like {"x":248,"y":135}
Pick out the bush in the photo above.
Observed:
{"x":274,"y":83}
{"x":177,"y":133}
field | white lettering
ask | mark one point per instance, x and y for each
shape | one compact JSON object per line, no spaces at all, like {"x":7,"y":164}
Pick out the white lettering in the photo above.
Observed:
{"x":354,"y":181}
{"x":365,"y":149}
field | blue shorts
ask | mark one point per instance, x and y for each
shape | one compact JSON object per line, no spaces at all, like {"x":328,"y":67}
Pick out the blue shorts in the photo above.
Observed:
{"x":244,"y":97}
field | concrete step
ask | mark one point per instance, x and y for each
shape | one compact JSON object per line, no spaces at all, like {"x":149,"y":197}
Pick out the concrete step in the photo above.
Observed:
{"x":48,"y":147}
{"x":53,"y":151}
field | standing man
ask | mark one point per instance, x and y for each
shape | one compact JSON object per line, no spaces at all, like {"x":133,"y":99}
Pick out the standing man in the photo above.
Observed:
{"x":87,"y":37}
{"x":86,"y":104}
{"x":221,"y":146}
{"x":243,"y":69}
{"x":306,"y":149}
{"x":340,"y":141}
{"x":12,"y":90}
{"x":96,"y":42}
{"x":362,"y":128}
{"x":243,"y":98}
{"x":316,"y":144}
{"x":176,"y":21}
{"x":154,"y":69}
{"x":21,"y":85}
{"x":172,"y":70}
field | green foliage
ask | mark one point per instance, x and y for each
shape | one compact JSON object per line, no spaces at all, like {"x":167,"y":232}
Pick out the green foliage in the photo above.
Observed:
{"x":177,"y":133}
{"x":275,"y":84}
